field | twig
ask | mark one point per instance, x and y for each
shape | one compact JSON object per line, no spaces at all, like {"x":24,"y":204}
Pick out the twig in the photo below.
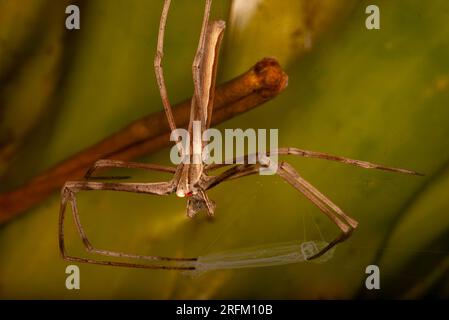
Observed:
{"x":261,"y":83}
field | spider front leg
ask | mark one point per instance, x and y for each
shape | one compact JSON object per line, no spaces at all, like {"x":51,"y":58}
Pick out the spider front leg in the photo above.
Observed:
{"x":345,"y":223}
{"x":158,"y":66}
{"x":196,"y":66}
{"x":109,"y":164}
{"x":68,"y":195}
{"x":316,"y":155}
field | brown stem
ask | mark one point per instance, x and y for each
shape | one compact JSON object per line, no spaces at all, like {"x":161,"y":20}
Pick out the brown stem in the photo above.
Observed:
{"x":261,"y":83}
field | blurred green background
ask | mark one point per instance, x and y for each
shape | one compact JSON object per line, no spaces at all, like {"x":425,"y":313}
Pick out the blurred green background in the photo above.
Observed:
{"x":376,"y":95}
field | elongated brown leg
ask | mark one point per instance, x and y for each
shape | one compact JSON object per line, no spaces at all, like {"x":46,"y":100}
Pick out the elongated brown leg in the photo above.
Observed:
{"x":158,"y":66}
{"x":206,"y":72}
{"x":234,"y":172}
{"x":108,"y":164}
{"x":319,"y":155}
{"x":343,"y":221}
{"x":68,"y":195}
{"x":289,"y":174}
{"x":197,"y":61}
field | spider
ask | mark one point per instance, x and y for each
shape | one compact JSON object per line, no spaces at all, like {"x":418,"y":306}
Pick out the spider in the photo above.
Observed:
{"x":193,"y":180}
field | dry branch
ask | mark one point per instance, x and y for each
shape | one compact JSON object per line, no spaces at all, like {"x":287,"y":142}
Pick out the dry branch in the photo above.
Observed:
{"x":261,"y":83}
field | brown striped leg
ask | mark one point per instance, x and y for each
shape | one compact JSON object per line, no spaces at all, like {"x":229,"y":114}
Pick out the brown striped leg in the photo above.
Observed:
{"x":68,"y":195}
{"x":109,"y":164}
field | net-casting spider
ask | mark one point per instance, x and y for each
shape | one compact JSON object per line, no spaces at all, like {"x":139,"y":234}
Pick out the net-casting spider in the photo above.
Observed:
{"x":193,"y":180}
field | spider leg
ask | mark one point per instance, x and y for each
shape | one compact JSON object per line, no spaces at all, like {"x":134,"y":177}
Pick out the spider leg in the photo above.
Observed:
{"x":317,"y":155}
{"x":158,"y":66}
{"x":108,"y":164}
{"x":205,"y":73}
{"x":357,"y":163}
{"x":345,"y":223}
{"x":68,"y":195}
{"x":234,"y":172}
{"x":197,"y":61}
